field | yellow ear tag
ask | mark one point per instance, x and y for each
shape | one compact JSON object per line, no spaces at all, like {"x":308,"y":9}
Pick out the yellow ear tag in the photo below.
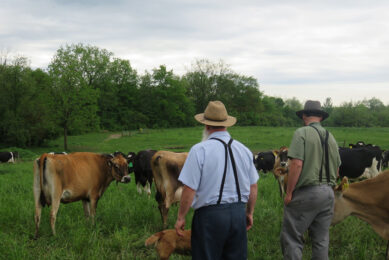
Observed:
{"x":345,"y":186}
{"x":275,"y":154}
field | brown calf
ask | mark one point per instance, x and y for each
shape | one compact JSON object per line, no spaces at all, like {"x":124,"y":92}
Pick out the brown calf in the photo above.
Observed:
{"x":280,"y":170}
{"x":76,"y":176}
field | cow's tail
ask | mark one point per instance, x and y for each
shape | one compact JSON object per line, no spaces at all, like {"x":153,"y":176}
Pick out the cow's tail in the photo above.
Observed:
{"x":42,"y":177}
{"x":156,"y":160}
{"x":155,"y":166}
{"x":153,"y":238}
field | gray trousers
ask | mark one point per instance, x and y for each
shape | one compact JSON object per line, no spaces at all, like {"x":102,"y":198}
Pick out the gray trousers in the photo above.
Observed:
{"x":312,"y":208}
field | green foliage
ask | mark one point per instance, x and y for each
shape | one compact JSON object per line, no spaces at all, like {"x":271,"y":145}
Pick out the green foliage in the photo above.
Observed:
{"x":24,"y":106}
{"x":85,"y":89}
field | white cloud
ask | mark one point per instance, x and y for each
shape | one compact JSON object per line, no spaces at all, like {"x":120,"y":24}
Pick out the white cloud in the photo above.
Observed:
{"x":328,"y":48}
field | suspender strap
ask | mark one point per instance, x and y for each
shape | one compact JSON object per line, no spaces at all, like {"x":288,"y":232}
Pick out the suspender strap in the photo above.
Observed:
{"x":234,"y":168}
{"x":324,"y":144}
{"x":225,"y":169}
{"x":327,"y":160}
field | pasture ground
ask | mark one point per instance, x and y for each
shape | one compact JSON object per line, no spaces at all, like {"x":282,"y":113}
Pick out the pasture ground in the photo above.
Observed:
{"x":125,"y":219}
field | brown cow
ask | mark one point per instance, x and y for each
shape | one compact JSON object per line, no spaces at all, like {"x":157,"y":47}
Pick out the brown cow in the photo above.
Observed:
{"x":166,"y":168}
{"x":73,"y":177}
{"x":280,"y":170}
{"x":367,"y":200}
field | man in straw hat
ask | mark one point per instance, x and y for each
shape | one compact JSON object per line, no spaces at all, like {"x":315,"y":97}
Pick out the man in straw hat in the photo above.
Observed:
{"x":220,"y":183}
{"x":309,"y":200}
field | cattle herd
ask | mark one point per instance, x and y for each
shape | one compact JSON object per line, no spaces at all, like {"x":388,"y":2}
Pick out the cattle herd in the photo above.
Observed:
{"x":61,"y":177}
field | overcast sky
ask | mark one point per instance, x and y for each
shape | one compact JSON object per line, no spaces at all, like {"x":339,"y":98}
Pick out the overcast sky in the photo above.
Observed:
{"x":294,"y":48}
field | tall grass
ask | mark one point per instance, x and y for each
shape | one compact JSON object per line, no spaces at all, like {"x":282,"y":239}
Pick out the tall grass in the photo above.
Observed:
{"x":125,"y":219}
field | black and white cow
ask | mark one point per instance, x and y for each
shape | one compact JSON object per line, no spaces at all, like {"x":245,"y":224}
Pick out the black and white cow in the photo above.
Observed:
{"x":8,"y":157}
{"x":140,"y":164}
{"x":265,"y":161}
{"x":361,"y":162}
{"x":385,"y":159}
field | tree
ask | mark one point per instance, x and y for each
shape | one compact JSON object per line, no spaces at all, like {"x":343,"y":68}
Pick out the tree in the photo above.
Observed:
{"x":202,"y":81}
{"x":164,"y":100}
{"x":24,"y":105}
{"x":75,"y":71}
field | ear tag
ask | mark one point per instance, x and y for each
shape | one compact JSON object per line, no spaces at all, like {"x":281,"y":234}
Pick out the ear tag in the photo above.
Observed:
{"x":130,"y":165}
{"x":275,"y":154}
{"x":345,"y":186}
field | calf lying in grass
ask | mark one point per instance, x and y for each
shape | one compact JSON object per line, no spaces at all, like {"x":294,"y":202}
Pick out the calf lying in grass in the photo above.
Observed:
{"x":167,"y":242}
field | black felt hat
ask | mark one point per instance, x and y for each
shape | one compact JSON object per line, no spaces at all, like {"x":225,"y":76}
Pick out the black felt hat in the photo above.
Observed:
{"x":312,"y":107}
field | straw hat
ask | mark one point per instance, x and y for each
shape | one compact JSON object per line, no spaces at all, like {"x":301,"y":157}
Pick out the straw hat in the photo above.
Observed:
{"x":215,"y":115}
{"x":314,"y":107}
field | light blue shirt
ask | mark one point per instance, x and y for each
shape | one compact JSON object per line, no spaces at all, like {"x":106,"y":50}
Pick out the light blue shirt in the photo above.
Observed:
{"x":204,"y":167}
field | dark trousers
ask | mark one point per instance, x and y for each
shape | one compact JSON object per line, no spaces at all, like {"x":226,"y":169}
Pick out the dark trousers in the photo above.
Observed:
{"x":219,"y":232}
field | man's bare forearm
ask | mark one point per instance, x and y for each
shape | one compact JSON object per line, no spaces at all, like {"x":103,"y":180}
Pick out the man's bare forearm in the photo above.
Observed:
{"x":186,"y":201}
{"x":252,"y":199}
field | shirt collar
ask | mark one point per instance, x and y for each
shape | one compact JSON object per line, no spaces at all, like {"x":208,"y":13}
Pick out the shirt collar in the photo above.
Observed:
{"x":219,"y":134}
{"x":315,"y":123}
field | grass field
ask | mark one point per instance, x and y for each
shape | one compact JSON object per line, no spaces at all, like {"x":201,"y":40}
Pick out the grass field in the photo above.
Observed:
{"x":125,"y":219}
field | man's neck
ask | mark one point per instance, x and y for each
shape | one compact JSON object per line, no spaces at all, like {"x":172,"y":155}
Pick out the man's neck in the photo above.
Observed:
{"x":310,"y":120}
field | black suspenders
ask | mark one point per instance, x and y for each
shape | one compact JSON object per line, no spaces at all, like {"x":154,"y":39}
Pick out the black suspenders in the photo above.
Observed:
{"x":227,"y":148}
{"x":324,"y":144}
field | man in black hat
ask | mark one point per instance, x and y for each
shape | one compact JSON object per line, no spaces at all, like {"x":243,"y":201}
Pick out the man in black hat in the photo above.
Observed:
{"x":309,"y":200}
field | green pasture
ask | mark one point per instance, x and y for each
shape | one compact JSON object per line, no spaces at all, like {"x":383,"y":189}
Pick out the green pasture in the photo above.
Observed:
{"x":125,"y":218}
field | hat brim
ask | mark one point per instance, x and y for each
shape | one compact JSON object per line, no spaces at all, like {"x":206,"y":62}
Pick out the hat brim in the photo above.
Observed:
{"x":230,"y":121}
{"x":323,"y":114}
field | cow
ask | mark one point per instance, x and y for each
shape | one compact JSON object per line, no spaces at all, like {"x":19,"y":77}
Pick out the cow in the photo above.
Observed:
{"x":280,"y":170}
{"x":367,"y":200}
{"x":360,"y":162}
{"x":166,"y":168}
{"x":385,"y":159}
{"x":357,"y":144}
{"x":8,"y":157}
{"x":73,"y":177}
{"x":140,"y":164}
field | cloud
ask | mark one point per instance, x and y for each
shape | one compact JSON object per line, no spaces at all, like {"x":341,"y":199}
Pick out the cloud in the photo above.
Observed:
{"x":281,"y":43}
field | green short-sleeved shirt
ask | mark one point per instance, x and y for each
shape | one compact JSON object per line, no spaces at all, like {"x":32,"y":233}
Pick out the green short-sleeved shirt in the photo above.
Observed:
{"x":306,"y":146}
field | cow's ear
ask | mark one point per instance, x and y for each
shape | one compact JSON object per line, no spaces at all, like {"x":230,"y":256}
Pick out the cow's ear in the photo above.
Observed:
{"x":343,"y":185}
{"x":110,"y":163}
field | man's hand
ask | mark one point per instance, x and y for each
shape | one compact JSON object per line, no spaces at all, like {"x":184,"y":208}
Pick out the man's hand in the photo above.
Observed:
{"x":288,"y":198}
{"x":180,"y":226}
{"x":249,"y":221}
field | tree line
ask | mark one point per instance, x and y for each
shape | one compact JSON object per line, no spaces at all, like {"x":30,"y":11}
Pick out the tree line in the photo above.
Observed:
{"x":86,"y":88}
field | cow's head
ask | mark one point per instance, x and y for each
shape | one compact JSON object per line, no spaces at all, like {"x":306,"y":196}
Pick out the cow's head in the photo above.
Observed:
{"x":119,"y":168}
{"x":283,"y":156}
{"x":341,"y":209}
{"x":265,"y":160}
{"x":130,"y":160}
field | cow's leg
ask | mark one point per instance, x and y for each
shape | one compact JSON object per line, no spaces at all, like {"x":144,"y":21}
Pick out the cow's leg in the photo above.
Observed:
{"x":93,"y":206}
{"x":282,"y":184}
{"x":86,"y":205}
{"x":54,"y":209}
{"x":164,"y":214}
{"x":37,"y":197}
{"x":139,"y":188}
{"x":387,"y":251}
{"x":147,"y":189}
